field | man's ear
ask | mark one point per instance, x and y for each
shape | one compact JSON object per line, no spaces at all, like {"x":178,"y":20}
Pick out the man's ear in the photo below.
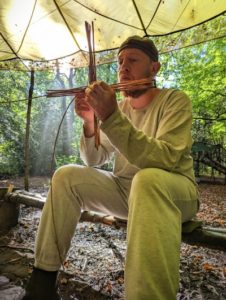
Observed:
{"x":155,"y":65}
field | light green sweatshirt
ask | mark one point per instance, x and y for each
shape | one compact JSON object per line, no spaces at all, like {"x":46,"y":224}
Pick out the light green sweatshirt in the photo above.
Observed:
{"x":157,"y":136}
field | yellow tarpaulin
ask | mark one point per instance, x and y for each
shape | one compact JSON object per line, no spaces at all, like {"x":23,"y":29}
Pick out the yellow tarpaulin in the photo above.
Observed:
{"x":45,"y":30}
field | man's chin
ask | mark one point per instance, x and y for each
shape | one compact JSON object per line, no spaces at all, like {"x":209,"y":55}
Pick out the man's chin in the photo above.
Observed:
{"x":135,"y":93}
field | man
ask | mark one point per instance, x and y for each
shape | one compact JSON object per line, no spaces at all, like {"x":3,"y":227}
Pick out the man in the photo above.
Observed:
{"x":152,"y":184}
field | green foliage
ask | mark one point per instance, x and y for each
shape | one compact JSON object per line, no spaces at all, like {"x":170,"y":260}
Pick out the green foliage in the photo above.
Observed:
{"x":65,"y":160}
{"x":8,"y":165}
{"x":198,"y":70}
{"x":107,"y":73}
{"x":12,"y":121}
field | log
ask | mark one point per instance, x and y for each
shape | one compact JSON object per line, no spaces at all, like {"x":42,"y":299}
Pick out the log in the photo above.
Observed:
{"x":26,"y":199}
{"x":207,"y":237}
{"x":193,"y":232}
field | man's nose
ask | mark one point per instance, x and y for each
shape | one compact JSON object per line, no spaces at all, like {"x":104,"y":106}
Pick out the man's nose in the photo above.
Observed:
{"x":124,"y":66}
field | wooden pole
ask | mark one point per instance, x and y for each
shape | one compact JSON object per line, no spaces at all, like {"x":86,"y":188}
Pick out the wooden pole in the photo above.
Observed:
{"x":27,"y":134}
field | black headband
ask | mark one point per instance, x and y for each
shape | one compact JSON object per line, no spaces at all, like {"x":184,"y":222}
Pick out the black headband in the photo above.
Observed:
{"x":144,"y":44}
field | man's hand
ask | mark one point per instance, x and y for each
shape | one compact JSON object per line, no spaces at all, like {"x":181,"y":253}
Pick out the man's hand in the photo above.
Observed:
{"x":85,"y":112}
{"x":83,"y":109}
{"x":101,"y":98}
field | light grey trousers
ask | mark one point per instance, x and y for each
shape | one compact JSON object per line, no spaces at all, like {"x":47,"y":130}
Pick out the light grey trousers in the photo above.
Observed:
{"x":155,"y":203}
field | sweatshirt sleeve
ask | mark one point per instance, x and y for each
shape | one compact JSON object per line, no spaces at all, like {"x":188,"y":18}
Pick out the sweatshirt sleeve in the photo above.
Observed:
{"x":172,"y":139}
{"x":93,"y":157}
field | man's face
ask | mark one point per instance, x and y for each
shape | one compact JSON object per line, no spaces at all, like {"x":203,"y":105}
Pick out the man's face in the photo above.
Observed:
{"x":133,"y":64}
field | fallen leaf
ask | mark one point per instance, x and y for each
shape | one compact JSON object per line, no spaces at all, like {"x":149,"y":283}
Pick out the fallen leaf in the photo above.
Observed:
{"x":208,"y":267}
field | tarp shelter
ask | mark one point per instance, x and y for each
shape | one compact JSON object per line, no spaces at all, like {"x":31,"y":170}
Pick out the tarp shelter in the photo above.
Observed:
{"x":41,"y":31}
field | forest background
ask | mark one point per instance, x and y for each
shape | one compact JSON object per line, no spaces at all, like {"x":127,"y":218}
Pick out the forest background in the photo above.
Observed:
{"x":197,"y":70}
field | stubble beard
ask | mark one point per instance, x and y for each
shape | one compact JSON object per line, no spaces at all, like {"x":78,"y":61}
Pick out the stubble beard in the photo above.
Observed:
{"x":136,"y":93}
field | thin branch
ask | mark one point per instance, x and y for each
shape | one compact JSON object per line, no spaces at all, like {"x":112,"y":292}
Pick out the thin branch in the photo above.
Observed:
{"x":68,"y":27}
{"x":104,"y":16}
{"x":155,"y":12}
{"x":20,"y":100}
{"x":32,"y":13}
{"x":139,"y":16}
{"x":14,"y":52}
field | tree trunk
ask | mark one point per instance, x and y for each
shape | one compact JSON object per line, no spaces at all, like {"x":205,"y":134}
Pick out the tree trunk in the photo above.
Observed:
{"x":66,"y":128}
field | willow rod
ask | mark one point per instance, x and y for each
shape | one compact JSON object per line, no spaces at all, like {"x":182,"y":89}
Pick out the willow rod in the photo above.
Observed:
{"x":123,"y":86}
{"x":92,"y":74}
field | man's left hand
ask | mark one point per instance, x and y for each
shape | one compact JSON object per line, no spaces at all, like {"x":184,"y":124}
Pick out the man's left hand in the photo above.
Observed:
{"x":101,"y":97}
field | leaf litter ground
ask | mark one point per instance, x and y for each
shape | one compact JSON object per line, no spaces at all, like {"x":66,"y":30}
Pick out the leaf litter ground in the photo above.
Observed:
{"x":94,"y":268}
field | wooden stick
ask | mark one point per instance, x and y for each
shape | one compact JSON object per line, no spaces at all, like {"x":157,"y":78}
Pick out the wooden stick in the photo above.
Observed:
{"x":92,"y":74}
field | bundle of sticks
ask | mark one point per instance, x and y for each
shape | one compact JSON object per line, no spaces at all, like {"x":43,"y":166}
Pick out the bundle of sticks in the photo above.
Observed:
{"x":123,"y":86}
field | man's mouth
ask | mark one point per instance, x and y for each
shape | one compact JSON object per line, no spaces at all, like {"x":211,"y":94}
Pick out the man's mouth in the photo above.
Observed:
{"x":124,"y":78}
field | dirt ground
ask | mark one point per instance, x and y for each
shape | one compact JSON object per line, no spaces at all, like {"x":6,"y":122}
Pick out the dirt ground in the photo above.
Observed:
{"x":94,"y":268}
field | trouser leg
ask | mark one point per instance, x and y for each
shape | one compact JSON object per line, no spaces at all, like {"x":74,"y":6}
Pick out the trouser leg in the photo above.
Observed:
{"x":74,"y":188}
{"x":158,"y":202}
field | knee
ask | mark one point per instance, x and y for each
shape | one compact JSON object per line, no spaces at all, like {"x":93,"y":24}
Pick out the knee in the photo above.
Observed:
{"x":64,"y":173}
{"x":150,"y":195}
{"x":147,"y":178}
{"x":149,"y":184}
